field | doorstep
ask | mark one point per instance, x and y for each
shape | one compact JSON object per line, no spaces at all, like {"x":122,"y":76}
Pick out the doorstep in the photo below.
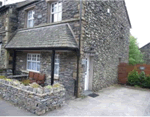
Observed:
{"x":87,"y":92}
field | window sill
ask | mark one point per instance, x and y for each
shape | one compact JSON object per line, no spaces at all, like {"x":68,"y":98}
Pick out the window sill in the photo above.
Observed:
{"x":32,"y":71}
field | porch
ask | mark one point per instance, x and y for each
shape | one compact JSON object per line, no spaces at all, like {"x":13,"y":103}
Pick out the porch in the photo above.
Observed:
{"x":53,"y":53}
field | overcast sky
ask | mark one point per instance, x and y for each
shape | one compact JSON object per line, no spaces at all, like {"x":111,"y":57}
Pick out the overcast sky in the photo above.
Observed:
{"x":139,"y":13}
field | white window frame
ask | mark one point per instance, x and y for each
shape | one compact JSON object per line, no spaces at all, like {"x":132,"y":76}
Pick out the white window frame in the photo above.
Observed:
{"x":37,"y":61}
{"x":56,"y":11}
{"x":57,"y":62}
{"x":30,"y":18}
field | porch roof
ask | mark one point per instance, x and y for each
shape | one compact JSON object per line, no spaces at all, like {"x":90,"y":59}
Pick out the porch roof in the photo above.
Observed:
{"x":54,"y":36}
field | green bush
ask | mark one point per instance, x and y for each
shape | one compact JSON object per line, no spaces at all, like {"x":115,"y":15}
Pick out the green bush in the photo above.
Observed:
{"x":133,"y":78}
{"x":136,"y":79}
{"x":26,"y":82}
{"x":2,"y":77}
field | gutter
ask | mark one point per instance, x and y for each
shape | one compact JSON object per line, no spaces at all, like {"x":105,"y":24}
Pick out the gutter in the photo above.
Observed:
{"x":78,"y":54}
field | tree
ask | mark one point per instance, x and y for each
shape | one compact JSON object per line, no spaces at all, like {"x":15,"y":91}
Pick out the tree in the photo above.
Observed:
{"x":135,"y":55}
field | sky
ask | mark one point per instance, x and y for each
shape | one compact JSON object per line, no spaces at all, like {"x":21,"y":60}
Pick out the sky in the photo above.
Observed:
{"x":139,"y":14}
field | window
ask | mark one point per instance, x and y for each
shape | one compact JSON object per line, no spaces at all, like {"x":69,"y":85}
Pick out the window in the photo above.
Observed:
{"x":30,"y":19}
{"x":33,"y":62}
{"x":56,"y":12}
{"x":57,"y":62}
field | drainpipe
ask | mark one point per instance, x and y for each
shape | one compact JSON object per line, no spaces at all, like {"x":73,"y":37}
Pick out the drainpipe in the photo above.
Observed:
{"x":78,"y":52}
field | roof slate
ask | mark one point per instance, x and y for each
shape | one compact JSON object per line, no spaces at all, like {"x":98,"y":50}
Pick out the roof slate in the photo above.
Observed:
{"x":43,"y":37}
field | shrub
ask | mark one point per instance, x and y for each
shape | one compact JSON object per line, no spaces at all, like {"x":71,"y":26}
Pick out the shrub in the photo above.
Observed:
{"x":9,"y":80}
{"x":56,"y":85}
{"x":48,"y":87}
{"x":133,"y":78}
{"x":25,"y":82}
{"x":2,"y":77}
{"x":141,"y":80}
{"x":35,"y":85}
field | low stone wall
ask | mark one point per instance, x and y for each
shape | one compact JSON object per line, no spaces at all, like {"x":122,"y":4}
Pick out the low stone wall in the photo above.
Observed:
{"x":36,"y":100}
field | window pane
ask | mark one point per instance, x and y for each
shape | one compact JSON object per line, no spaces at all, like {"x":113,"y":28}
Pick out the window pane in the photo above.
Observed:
{"x":57,"y":61}
{"x":55,"y":18}
{"x":33,"y":14}
{"x":52,"y":17}
{"x":38,"y":57}
{"x":38,"y":66}
{"x":56,"y":70}
{"x":52,"y":5}
{"x":33,"y":57}
{"x":29,"y":14}
{"x":55,"y":7}
{"x":60,"y":8}
{"x":30,"y":23}
{"x":52,"y":9}
{"x":29,"y":56}
{"x":29,"y":65}
{"x":60,"y":3}
{"x":34,"y":66}
{"x":60,"y":16}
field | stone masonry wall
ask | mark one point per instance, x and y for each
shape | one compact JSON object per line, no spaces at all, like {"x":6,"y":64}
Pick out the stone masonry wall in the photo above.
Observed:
{"x":3,"y":16}
{"x":68,"y":69}
{"x":8,"y":25}
{"x":146,"y":53}
{"x":70,"y":10}
{"x":107,"y":36}
{"x":21,"y":61}
{"x":36,"y":100}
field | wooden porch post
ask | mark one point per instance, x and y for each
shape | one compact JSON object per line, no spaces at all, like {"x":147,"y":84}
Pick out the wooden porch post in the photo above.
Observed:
{"x":52,"y":66}
{"x":14,"y":63}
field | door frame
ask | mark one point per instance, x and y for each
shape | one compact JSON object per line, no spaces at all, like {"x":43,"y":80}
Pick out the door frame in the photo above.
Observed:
{"x":89,"y":77}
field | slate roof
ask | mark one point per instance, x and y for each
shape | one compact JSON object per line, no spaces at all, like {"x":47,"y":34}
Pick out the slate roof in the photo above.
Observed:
{"x":54,"y":36}
{"x":24,"y":3}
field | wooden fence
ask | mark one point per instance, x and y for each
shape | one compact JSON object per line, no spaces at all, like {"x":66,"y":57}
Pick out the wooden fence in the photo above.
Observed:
{"x":124,"y":69}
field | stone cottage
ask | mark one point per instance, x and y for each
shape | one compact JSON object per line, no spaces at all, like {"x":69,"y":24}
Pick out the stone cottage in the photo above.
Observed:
{"x":146,"y":53}
{"x":77,"y":43}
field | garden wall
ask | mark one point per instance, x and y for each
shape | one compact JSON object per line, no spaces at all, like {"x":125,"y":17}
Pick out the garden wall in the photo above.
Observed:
{"x":35,"y":100}
{"x":124,"y":69}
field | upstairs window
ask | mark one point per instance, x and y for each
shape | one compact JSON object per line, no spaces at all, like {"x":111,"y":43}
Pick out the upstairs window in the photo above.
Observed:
{"x":30,"y":19}
{"x":56,"y":11}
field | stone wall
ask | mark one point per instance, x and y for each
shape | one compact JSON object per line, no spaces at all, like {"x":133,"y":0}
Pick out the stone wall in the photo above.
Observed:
{"x":21,"y":61}
{"x":107,"y":36}
{"x":3,"y":16}
{"x":67,"y":72}
{"x":36,"y":100}
{"x":68,"y":69}
{"x":146,"y":53}
{"x":70,"y":10}
{"x":8,"y":26}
